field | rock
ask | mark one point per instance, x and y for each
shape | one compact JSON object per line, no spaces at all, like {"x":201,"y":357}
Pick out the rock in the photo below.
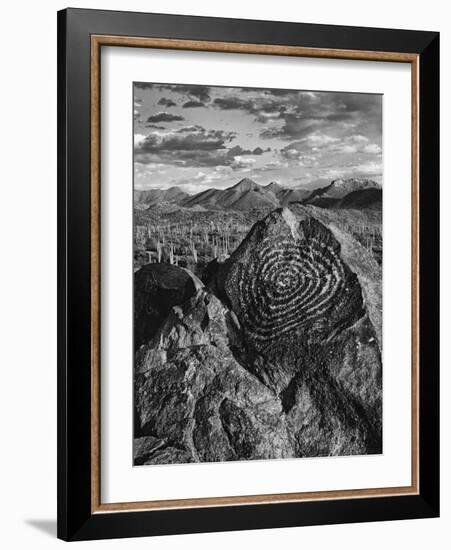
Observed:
{"x":192,"y":393}
{"x":150,"y":450}
{"x":308,"y":299}
{"x":157,"y":288}
{"x":279,"y":356}
{"x":144,"y":447}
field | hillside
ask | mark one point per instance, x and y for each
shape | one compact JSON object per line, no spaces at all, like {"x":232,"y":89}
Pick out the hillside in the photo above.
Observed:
{"x":247,"y":195}
{"x":327,"y":196}
{"x":362,"y":198}
{"x":152,"y":197}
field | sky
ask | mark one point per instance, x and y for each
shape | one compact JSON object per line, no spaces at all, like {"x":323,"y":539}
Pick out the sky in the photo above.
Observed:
{"x":197,"y":137}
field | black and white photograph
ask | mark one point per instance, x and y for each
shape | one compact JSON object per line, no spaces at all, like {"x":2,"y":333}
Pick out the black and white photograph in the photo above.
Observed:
{"x":257,"y":259}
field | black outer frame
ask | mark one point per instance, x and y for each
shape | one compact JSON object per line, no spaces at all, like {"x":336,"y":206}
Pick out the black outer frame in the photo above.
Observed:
{"x":75,"y":520}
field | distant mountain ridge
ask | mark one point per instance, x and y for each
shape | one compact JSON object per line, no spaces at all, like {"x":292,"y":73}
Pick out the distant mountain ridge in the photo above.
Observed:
{"x":330,"y":194}
{"x":247,"y":194}
{"x":152,"y":197}
{"x":362,"y":198}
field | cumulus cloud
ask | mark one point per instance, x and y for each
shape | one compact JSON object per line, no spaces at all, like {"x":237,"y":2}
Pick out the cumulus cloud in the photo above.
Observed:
{"x":198,"y":140}
{"x":167,"y":102}
{"x":324,"y":134}
{"x":192,"y":103}
{"x":189,"y":146}
{"x":164,"y":117}
{"x":242,"y":162}
{"x":371,"y":168}
{"x":155,"y":127}
{"x":238,"y":150}
{"x":195,"y":146}
{"x":195,"y":92}
{"x":138,"y":138}
{"x":372,"y":148}
{"x":318,"y":142}
{"x":328,"y":112}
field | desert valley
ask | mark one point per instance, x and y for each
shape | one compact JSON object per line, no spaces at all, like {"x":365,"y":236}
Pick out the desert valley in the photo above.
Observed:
{"x":174,"y":227}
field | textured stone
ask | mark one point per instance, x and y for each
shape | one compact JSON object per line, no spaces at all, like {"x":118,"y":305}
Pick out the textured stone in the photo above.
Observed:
{"x":308,"y":298}
{"x":157,"y":288}
{"x":191,"y":391}
{"x":279,"y":356}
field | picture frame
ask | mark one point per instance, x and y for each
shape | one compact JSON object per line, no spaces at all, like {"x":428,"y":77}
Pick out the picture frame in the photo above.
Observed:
{"x":81,"y":36}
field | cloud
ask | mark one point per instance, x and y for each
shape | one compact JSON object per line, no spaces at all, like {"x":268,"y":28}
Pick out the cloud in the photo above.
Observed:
{"x":358,"y":139}
{"x":328,"y":112}
{"x":326,"y":145}
{"x":232,"y":102}
{"x":138,"y":138}
{"x":198,"y":147}
{"x":167,"y":102}
{"x":372,"y":149}
{"x":189,"y":129}
{"x":195,"y":146}
{"x":312,"y":142}
{"x":193,"y":103}
{"x":238,"y":150}
{"x":324,"y":132}
{"x":370,"y":168}
{"x":294,"y":126}
{"x":164,"y":117}
{"x":195,"y":92}
{"x":242,"y":162}
{"x":199,"y":140}
{"x":203,"y":180}
{"x":143,"y":85}
{"x":155,"y":126}
{"x":272,"y":165}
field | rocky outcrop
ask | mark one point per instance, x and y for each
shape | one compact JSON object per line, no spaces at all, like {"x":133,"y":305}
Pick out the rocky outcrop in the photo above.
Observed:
{"x":157,"y":288}
{"x":278,"y":356}
{"x":191,"y":393}
{"x":308,"y":299}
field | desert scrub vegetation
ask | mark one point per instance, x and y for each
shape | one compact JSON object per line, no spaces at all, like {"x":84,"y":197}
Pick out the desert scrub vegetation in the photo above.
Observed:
{"x":192,"y":239}
{"x":190,"y":243}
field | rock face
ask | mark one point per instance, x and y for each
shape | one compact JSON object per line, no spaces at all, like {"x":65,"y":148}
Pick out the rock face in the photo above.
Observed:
{"x":308,"y":299}
{"x":278,"y":356}
{"x":194,"y":401}
{"x":157,"y":288}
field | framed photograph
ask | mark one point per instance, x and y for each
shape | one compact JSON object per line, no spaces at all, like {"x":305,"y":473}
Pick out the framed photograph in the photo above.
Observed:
{"x":248,"y":274}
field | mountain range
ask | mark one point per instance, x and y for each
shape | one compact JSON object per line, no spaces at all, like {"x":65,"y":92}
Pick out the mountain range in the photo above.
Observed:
{"x":153,"y":197}
{"x":246,"y":195}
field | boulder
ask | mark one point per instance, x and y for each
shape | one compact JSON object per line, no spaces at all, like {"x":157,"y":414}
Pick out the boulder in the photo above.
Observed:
{"x":150,"y":450}
{"x":308,"y":299}
{"x":278,"y":356}
{"x":192,"y":393}
{"x":157,"y":288}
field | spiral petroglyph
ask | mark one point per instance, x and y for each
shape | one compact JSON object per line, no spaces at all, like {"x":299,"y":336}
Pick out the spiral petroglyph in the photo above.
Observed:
{"x":294,"y":282}
{"x":276,"y":356}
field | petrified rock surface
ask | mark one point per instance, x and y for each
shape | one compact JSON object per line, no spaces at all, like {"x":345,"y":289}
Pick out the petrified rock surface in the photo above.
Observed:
{"x":191,"y":392}
{"x":308,"y":298}
{"x":280,"y":356}
{"x":151,"y":450}
{"x":157,"y":288}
